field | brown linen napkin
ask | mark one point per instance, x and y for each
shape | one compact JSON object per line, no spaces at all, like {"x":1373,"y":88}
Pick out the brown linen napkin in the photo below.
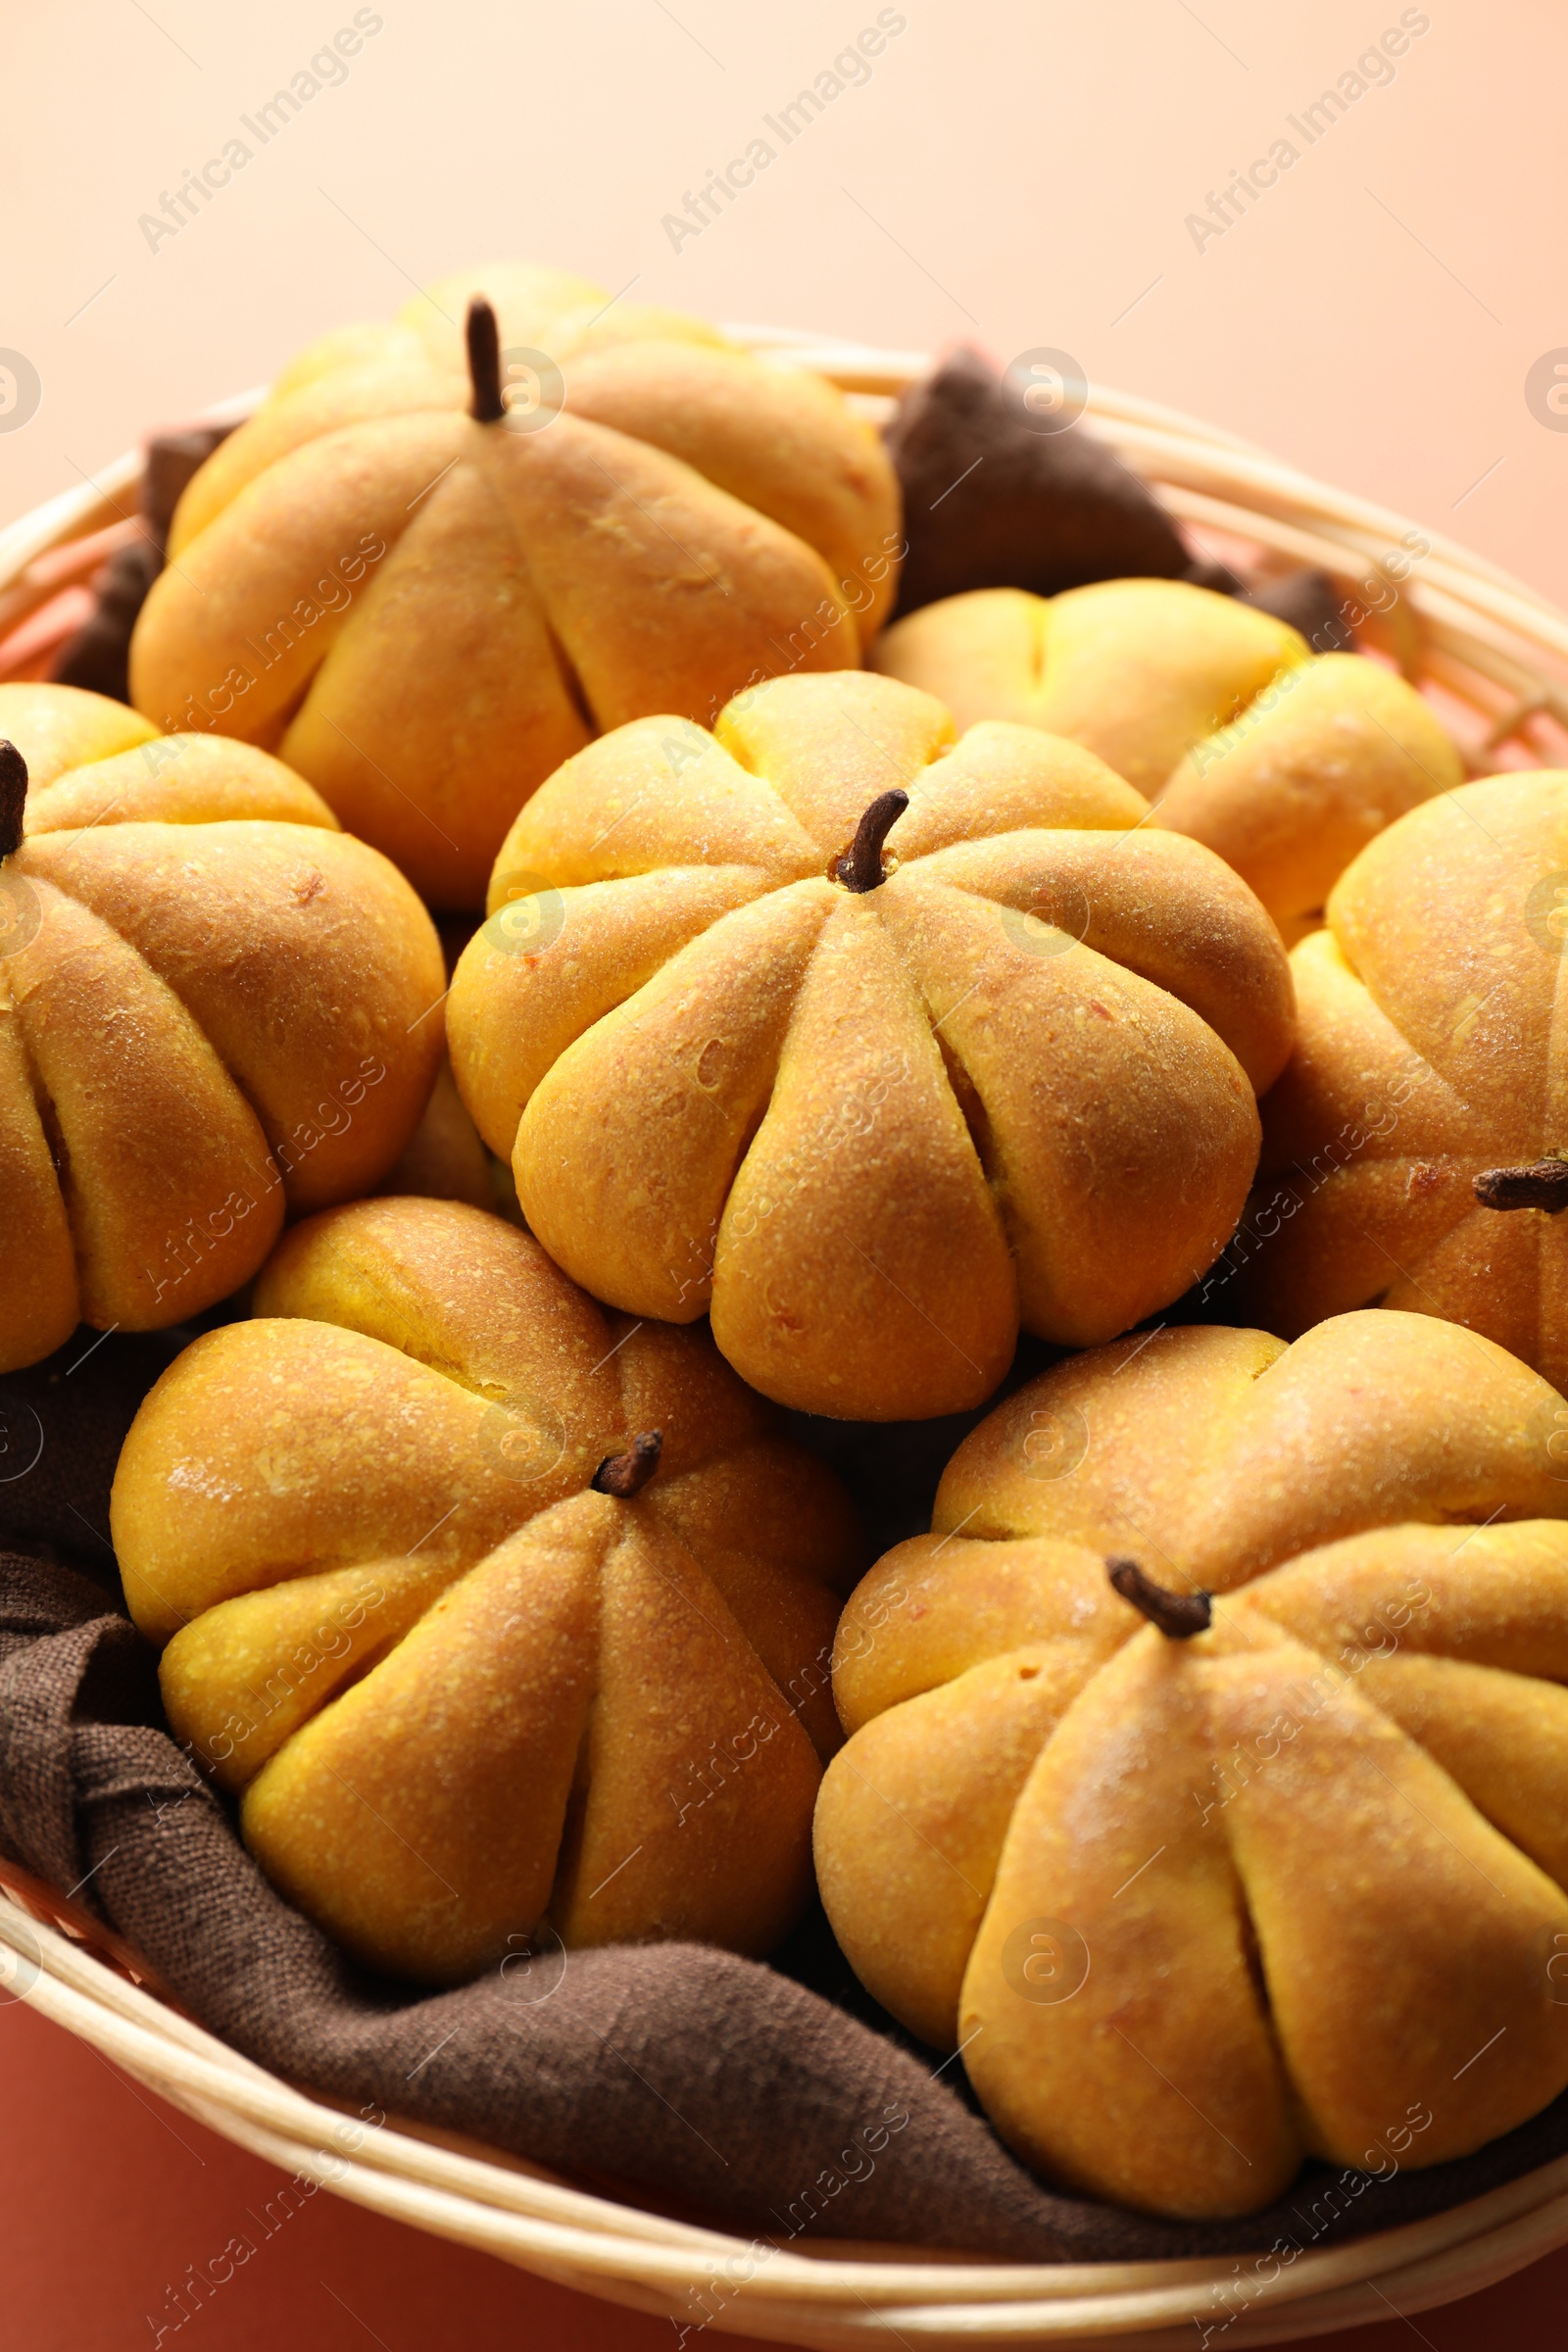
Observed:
{"x":98,"y":655}
{"x":991,"y":499}
{"x":1311,"y":602}
{"x":780,"y":2106}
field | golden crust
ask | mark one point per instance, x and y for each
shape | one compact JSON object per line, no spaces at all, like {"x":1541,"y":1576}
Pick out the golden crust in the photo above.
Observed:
{"x":1429,"y":1052}
{"x":60,"y":727}
{"x":1284,"y":764}
{"x":456,"y":1690}
{"x":1198,"y":1908}
{"x":209,"y":1001}
{"x":868,"y":1133}
{"x":691,"y":519}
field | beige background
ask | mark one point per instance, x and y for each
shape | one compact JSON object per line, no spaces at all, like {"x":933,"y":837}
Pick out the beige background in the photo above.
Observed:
{"x":1015,"y":174}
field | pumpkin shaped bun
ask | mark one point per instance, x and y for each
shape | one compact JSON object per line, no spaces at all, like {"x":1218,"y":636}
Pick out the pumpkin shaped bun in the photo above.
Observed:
{"x":1285,"y":763}
{"x":213,"y":1011}
{"x":1416,"y":1147}
{"x":426,"y":599}
{"x":492,"y":1608}
{"x":1203,"y":1886}
{"x":869,"y":1043}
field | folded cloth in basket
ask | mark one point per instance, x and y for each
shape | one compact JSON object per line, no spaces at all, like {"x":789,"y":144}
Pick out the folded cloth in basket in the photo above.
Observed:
{"x":723,"y":2084}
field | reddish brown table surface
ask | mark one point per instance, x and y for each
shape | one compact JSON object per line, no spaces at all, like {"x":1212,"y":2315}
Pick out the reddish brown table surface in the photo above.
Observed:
{"x":110,"y":2198}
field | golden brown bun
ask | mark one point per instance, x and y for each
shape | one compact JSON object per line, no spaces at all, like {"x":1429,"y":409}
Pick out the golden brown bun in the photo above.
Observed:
{"x":1196,"y":1908}
{"x":869,"y":1133}
{"x":457,"y":1689}
{"x":1284,"y":765}
{"x":445,"y":1159}
{"x":210,"y":1003}
{"x":426,"y":616}
{"x":1428,"y":1054}
{"x":56,"y":727}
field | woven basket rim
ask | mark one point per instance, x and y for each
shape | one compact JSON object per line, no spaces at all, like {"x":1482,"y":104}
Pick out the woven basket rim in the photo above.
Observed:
{"x":529,"y":2215}
{"x":1494,"y":646}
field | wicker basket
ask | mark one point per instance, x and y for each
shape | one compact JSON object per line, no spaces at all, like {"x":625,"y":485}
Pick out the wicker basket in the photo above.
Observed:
{"x":1493,"y":656}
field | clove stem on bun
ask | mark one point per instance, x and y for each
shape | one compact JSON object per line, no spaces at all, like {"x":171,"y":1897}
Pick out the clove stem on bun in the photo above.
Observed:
{"x":484,"y":362}
{"x":1178,"y":1615}
{"x":861,"y":867}
{"x":1543,"y":1184}
{"x":626,"y":1474}
{"x":13,"y":797}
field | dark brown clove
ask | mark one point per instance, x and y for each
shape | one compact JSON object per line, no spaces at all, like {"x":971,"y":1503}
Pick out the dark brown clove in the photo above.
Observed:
{"x":861,"y":867}
{"x":13,"y":797}
{"x":484,"y":362}
{"x":1543,"y":1184}
{"x":626,"y":1474}
{"x":1178,"y":1615}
